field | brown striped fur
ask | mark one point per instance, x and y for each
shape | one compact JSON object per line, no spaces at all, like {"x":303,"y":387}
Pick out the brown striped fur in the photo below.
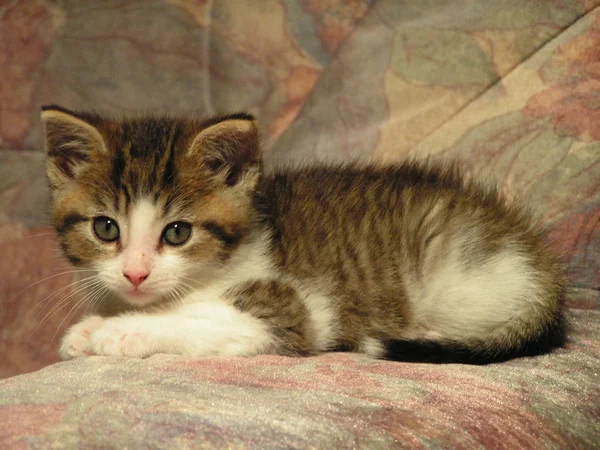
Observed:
{"x":277,"y":303}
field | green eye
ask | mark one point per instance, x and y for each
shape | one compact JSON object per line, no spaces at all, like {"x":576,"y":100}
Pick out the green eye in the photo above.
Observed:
{"x":177,"y":233}
{"x":106,"y":229}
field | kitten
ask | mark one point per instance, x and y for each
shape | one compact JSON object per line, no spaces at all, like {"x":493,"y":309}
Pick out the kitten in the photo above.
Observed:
{"x":207,"y":255}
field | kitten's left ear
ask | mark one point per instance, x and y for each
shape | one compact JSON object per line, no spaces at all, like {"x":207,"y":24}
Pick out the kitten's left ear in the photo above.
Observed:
{"x":70,"y":140}
{"x":230,"y":147}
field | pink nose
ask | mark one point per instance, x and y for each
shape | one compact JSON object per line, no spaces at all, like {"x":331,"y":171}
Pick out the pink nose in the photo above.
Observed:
{"x":136,"y":278}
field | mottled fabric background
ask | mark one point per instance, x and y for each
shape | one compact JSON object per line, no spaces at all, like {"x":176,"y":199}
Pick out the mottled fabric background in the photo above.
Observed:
{"x":511,"y":88}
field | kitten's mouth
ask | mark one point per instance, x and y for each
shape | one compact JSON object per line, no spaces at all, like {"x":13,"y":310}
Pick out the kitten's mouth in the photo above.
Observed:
{"x":138,"y":296}
{"x":137,"y":293}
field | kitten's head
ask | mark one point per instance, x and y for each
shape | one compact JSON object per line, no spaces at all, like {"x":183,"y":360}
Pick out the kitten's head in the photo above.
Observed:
{"x":150,"y":203}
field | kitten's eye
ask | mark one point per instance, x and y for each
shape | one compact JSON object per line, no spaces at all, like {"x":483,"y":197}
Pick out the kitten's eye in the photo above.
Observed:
{"x":106,"y":229}
{"x":177,"y":233}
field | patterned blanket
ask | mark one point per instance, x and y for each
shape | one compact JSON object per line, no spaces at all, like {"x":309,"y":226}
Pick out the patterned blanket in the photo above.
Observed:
{"x":511,"y":89}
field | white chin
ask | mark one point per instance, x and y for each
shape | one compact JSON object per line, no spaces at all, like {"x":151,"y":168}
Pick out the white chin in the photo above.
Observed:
{"x":140,"y":298}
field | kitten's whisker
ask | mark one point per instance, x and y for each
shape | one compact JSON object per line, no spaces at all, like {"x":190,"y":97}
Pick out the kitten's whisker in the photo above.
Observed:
{"x":37,"y":235}
{"x":101,"y":291}
{"x":89,"y":298}
{"x":187,"y":286}
{"x":50,"y":277}
{"x":49,"y":314}
{"x":182,"y":290}
{"x":85,"y":282}
{"x":174,"y":293}
{"x":70,"y":285}
{"x":76,"y":307}
{"x":64,"y":301}
{"x":96,"y":297}
{"x":76,"y":269}
{"x":171,"y":296}
{"x":194,"y":283}
{"x":77,"y":284}
{"x":97,"y":300}
{"x":79,"y":302}
{"x":182,"y":294}
{"x":179,"y":293}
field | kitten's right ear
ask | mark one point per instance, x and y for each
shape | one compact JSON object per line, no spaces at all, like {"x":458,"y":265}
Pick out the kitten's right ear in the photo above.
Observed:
{"x":229,"y":147}
{"x":69,"y":141}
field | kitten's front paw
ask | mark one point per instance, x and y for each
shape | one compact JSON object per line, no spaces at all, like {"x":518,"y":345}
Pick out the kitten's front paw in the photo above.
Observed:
{"x":77,"y":339}
{"x":117,"y":337}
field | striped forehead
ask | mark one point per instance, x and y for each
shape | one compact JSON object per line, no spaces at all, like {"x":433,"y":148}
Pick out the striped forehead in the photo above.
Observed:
{"x":143,"y":163}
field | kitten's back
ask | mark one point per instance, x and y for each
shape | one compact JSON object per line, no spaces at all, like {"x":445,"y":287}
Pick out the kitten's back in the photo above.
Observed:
{"x":439,"y":268}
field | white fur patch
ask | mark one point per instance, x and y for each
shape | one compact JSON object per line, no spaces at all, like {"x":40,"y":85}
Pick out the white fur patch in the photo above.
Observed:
{"x":458,"y":303}
{"x":143,"y":227}
{"x":250,"y":262}
{"x":323,"y":319}
{"x":201,"y":329}
{"x":215,"y":328}
{"x":372,"y":347}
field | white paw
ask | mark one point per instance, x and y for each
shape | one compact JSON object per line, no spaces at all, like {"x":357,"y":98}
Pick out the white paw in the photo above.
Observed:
{"x":77,"y":339}
{"x":118,"y":337}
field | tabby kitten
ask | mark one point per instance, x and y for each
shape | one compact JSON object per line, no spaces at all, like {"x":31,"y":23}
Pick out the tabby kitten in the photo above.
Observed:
{"x":207,"y":255}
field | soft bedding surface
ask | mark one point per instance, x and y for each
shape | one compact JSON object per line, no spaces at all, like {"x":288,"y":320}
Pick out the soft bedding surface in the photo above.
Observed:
{"x":509,"y":88}
{"x":330,"y":401}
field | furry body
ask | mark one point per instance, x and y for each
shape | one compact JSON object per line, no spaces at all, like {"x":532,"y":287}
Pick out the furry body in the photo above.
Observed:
{"x":408,"y":262}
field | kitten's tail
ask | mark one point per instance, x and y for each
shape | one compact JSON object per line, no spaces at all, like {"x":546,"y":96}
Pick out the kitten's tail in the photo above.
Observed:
{"x":478,"y":352}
